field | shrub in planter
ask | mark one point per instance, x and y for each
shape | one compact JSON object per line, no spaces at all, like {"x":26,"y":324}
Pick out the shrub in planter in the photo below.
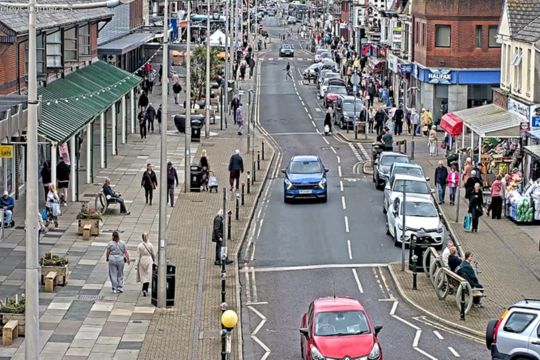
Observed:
{"x":56,"y":263}
{"x":49,"y":259}
{"x":13,"y":309}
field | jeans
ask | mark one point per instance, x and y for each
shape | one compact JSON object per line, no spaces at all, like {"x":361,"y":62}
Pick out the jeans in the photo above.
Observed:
{"x":150,"y":125}
{"x":148,"y":194}
{"x":219,"y":244}
{"x":170,"y":194}
{"x":452,"y":190}
{"x":145,"y":286}
{"x":8,"y":216}
{"x":143,"y":130}
{"x":234,"y":178}
{"x":441,"y":189}
{"x":116,"y":274}
{"x":122,"y":205}
{"x":496,"y":207}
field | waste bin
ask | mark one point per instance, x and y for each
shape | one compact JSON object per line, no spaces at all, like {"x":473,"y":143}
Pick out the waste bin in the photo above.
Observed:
{"x":195,"y":181}
{"x":196,"y":122}
{"x":419,"y":243}
{"x":171,"y":284}
{"x":196,"y":126}
{"x":376,"y":149}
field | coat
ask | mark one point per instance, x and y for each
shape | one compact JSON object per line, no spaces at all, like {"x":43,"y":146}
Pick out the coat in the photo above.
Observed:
{"x":236,"y":163}
{"x":441,"y":174}
{"x":476,"y":201}
{"x":467,"y":272}
{"x":217,"y":231}
{"x":149,"y":180}
{"x":63,"y":171}
{"x":146,"y":259}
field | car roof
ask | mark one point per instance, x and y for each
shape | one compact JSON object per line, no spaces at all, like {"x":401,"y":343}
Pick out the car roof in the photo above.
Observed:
{"x":409,"y":165}
{"x":392,"y":153}
{"x":286,"y":45}
{"x":305,"y":158}
{"x":533,"y":304}
{"x":331,"y":303}
{"x":349,"y":98}
{"x":408,"y":177}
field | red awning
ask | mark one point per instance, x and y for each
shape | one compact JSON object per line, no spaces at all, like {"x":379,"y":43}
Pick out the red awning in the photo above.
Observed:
{"x":452,"y":124}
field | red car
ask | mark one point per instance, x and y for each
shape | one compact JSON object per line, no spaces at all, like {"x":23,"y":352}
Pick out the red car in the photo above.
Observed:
{"x":338,"y":329}
{"x":332,"y":93}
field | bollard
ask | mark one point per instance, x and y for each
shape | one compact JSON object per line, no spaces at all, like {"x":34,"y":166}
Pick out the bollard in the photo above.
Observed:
{"x":237,"y":214}
{"x":223,"y":278}
{"x":229,"y":223}
{"x":462,"y":312}
{"x":253,"y":172}
{"x":262,"y":150}
{"x":405,"y":146}
{"x":412,"y":149}
{"x":243,"y":186}
{"x":258,"y":160}
{"x":248,"y":182}
{"x":414,"y":274}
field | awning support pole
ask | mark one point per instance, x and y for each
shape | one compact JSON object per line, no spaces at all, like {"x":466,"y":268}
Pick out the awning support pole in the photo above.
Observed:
{"x":73,"y":168}
{"x":54,"y":162}
{"x":89,"y":153}
{"x":472,"y":145}
{"x":132,"y":111}
{"x":463,"y":136}
{"x":479,"y":149}
{"x":102,"y":139}
{"x":123,"y":117}
{"x":114,"y":131}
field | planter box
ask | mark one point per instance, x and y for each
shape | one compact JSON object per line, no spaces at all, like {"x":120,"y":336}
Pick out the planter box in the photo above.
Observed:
{"x":62,"y":273}
{"x":5,"y":317}
{"x":95,"y":226}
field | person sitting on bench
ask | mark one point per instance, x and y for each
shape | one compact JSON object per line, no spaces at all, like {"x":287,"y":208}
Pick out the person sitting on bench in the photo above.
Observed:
{"x":7,"y":203}
{"x":466,"y":271}
{"x":111,"y":194}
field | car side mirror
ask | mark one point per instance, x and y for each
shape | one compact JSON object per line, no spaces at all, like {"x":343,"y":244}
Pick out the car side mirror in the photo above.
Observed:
{"x":326,"y":170}
{"x":304,"y":332}
{"x":378,"y":329}
{"x":433,"y":191}
{"x":375,"y":162}
{"x":428,"y":178}
{"x":283,"y":171}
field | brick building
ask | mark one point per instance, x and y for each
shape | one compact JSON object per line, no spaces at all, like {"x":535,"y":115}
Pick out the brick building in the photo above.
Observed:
{"x":456,"y":53}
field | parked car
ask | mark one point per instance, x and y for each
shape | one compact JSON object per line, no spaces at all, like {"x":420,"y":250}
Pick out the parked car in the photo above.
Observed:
{"x":286,"y":50}
{"x":410,"y":184}
{"x":382,"y":166}
{"x":310,"y":72}
{"x":407,"y":169}
{"x":322,"y":54}
{"x":346,"y":112}
{"x":338,"y":328}
{"x":330,"y":78}
{"x":420,"y":213}
{"x":516,"y":334}
{"x":333,"y":93}
{"x":291,"y":20}
{"x":305,"y":177}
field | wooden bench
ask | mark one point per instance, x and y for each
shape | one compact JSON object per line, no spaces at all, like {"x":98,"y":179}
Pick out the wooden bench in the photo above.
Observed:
{"x":50,"y":281}
{"x":87,"y":231}
{"x":448,"y":282}
{"x":10,"y":331}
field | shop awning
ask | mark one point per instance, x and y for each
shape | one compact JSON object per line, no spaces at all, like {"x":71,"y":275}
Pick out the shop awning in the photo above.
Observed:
{"x":452,"y":124}
{"x":491,"y":121}
{"x":70,"y":103}
{"x":533,"y":150}
{"x":125,"y":44}
{"x":534,"y":133}
{"x":376,"y":64}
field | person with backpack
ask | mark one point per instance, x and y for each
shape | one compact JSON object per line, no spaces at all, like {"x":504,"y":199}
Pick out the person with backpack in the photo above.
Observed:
{"x":150,"y":117}
{"x":151,"y":79}
{"x":142,"y":123}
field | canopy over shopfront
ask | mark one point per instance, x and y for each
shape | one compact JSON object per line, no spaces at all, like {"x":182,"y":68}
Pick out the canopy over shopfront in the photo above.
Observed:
{"x":490,"y":121}
{"x":452,"y":124}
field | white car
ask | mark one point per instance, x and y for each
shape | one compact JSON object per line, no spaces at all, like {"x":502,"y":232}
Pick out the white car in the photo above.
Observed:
{"x":420,"y":215}
{"x":413,"y":186}
{"x":324,"y":85}
{"x":322,"y":54}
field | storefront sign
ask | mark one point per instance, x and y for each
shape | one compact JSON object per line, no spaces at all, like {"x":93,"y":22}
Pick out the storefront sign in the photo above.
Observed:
{"x":535,"y":116}
{"x":405,"y":69}
{"x":440,"y":76}
{"x":6,"y":151}
{"x":392,"y":63}
{"x":518,"y":107}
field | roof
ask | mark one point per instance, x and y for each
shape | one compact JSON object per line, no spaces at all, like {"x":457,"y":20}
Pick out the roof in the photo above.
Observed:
{"x":51,"y":19}
{"x":126,"y":43}
{"x":72,"y":102}
{"x":521,"y":13}
{"x":533,"y":150}
{"x":331,"y":303}
{"x":530,"y":33}
{"x":491,"y":121}
{"x":11,"y":102}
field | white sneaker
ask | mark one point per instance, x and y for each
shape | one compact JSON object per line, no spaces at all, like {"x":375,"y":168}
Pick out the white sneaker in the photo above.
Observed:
{"x":114,"y":291}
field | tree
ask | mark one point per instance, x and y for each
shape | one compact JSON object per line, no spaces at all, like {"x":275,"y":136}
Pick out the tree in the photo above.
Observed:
{"x":198,"y":69}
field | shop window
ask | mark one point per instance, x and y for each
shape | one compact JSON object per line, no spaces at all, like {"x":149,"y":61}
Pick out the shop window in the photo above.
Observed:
{"x":442,"y":35}
{"x":423,"y":35}
{"x":54,"y":50}
{"x":493,"y":32}
{"x":478,"y":36}
{"x":528,"y":71}
{"x":70,"y":45}
{"x":40,"y":55}
{"x":84,"y":41}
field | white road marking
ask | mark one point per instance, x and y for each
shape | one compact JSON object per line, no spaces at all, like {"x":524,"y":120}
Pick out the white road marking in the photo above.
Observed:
{"x":346,"y":224}
{"x":303,"y":104}
{"x":248,"y":288}
{"x":312,"y":267}
{"x":341,"y":185}
{"x":317,"y":109}
{"x":293,"y":133}
{"x":339,"y":170}
{"x":453,"y":351}
{"x":338,"y":159}
{"x":438,"y":335}
{"x":254,"y":333}
{"x":343,"y":205}
{"x":254,"y":284}
{"x":313,"y":122}
{"x":357,"y":281}
{"x":305,"y":108}
{"x":318,"y":132}
{"x":326,"y":141}
{"x":309,"y":116}
{"x":349,"y":249}
{"x":333,"y":149}
{"x":270,"y":59}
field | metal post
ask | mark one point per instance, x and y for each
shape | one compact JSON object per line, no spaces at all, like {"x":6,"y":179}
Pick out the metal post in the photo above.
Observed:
{"x":187,"y":150}
{"x":113,"y":130}
{"x":89,"y":153}
{"x":254,"y":173}
{"x":32,"y":343}
{"x":225,"y":223}
{"x":223,"y":341}
{"x":243,"y":188}
{"x":162,"y":233}
{"x":132,"y":110}
{"x":102,"y":144}
{"x":229,"y":220}
{"x":225,"y":88}
{"x":123,"y":117}
{"x":258,"y":160}
{"x":412,"y":149}
{"x":221,"y":92}
{"x":54,"y":163}
{"x":73,"y":167}
{"x":262,"y":151}
{"x":458,"y":190}
{"x":367,"y":123}
{"x":462,"y":307}
{"x":404,"y":231}
{"x":249,"y":122}
{"x":248,"y":182}
{"x":207,"y":101}
{"x":237,"y":200}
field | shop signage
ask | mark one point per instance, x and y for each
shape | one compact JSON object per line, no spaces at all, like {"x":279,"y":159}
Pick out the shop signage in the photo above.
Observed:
{"x":524,"y":128}
{"x":518,"y":107}
{"x":535,"y":116}
{"x":6,"y":151}
{"x":405,"y":69}
{"x":440,"y":76}
{"x":393,"y":63}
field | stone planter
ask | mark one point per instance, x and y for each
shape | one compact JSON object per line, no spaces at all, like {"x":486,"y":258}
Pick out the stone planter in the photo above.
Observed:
{"x":95,"y":226}
{"x":62,"y":273}
{"x":5,"y":317}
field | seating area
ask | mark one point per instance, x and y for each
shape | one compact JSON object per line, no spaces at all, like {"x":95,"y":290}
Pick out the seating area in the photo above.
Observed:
{"x":50,"y":281}
{"x":10,"y":331}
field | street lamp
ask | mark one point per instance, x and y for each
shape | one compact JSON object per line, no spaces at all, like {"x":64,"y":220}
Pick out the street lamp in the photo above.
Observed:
{"x":229,"y":319}
{"x":187,"y":144}
{"x":207,"y":101}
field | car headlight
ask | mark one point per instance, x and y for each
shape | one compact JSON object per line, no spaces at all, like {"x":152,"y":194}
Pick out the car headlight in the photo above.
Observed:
{"x":315,"y":354}
{"x":440,"y":229}
{"x":375,"y":352}
{"x":322,"y":183}
{"x":288,"y":184}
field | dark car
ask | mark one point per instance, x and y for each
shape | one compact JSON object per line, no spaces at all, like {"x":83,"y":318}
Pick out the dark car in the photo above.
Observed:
{"x":346,"y":112}
{"x":382,"y":166}
{"x":305,"y":177}
{"x":332,"y":94}
{"x":286,"y":50}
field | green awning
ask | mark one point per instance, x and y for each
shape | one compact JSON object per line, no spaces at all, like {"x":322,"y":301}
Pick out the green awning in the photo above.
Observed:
{"x":70,"y":103}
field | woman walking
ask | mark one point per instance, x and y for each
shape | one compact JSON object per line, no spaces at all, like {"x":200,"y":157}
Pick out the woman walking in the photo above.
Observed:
{"x":432,"y":140}
{"x":205,"y":167}
{"x":476,"y":202}
{"x":52,"y":205}
{"x":116,"y":256}
{"x":149,"y":183}
{"x":453,"y":183}
{"x":496,"y":199}
{"x":46,"y":177}
{"x":147,"y":257}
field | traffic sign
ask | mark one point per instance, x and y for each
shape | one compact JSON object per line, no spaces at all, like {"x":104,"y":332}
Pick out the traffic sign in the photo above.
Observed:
{"x":6,"y":151}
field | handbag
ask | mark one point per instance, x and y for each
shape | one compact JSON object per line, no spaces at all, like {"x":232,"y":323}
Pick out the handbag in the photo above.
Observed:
{"x":150,"y":252}
{"x":56,"y":211}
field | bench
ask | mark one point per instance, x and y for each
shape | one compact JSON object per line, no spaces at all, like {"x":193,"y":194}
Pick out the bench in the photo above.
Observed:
{"x":87,"y":231}
{"x":50,"y":281}
{"x":102,"y":202}
{"x":448,"y":282}
{"x":432,"y":262}
{"x":10,"y":331}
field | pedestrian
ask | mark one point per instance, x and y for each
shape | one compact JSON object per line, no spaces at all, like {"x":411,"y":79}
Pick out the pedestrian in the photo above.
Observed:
{"x":476,"y":202}
{"x":52,"y":205}
{"x":147,"y":258}
{"x":371,"y":92}
{"x":205,"y":169}
{"x":415,"y":118}
{"x":217,"y":235}
{"x":454,"y":261}
{"x":328,"y":120}
{"x":150,"y":117}
{"x":143,"y":101}
{"x":251,"y":67}
{"x":235,"y":103}
{"x":236,"y":167}
{"x":453,"y":183}
{"x":149,"y":183}
{"x":398,"y":120}
{"x":471,"y":182}
{"x":467,"y":171}
{"x":425,"y":120}
{"x":243,"y":66}
{"x":160,"y":74}
{"x":496,"y":200}
{"x":111,"y":194}
{"x":432,"y":141}
{"x":387,"y":140}
{"x":142,"y":123}
{"x":46,"y":177}
{"x":466,"y":271}
{"x":145,"y":86}
{"x":117,"y":255}
{"x":63,"y":172}
{"x":288,"y":71}
{"x":172,"y":178}
{"x":147,"y":68}
{"x":177,"y":88}
{"x":158,"y":117}
{"x":380,"y":119}
{"x":151,"y":79}
{"x":441,"y":176}
{"x":7,"y":203}
{"x":240,"y":118}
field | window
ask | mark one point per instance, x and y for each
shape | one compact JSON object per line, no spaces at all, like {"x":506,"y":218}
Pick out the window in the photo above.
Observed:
{"x":40,"y":54}
{"x":442,"y":35}
{"x":528,"y":69}
{"x":493,"y":33}
{"x":517,"y":322}
{"x":70,"y":45}
{"x":423,"y":35}
{"x":417,"y":34}
{"x":84,"y":41}
{"x":54,"y":50}
{"x":507,"y":62}
{"x":478,"y":36}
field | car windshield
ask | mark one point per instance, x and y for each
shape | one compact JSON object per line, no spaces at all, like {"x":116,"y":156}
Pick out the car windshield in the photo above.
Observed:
{"x":336,"y":323}
{"x":420,"y":209}
{"x":320,"y":51}
{"x":286,"y":46}
{"x":413,"y":171}
{"x":390,"y":159}
{"x":326,"y":55}
{"x":349,"y":106}
{"x":331,"y":75}
{"x":412,"y":186}
{"x":305,"y":167}
{"x":337,"y":90}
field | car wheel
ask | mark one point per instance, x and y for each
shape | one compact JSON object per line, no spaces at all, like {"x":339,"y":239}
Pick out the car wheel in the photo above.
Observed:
{"x":490,"y":333}
{"x":387,"y":228}
{"x":396,"y":242}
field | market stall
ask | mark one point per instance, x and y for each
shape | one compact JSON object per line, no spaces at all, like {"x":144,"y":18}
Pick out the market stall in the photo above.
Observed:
{"x":523,"y":207}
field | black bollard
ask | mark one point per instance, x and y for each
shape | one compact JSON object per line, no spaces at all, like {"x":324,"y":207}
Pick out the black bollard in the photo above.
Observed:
{"x":243,"y":186}
{"x":412,"y":149}
{"x":253,"y":172}
{"x":262,"y":150}
{"x":248,"y":182}
{"x":414,"y":274}
{"x":229,"y":223}
{"x":223,"y":344}
{"x":237,"y":214}
{"x":258,"y":160}
{"x":462,"y":312}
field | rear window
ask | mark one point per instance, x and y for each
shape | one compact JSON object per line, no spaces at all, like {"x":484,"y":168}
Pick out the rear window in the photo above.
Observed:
{"x":413,"y":171}
{"x":518,"y":321}
{"x":390,"y":159}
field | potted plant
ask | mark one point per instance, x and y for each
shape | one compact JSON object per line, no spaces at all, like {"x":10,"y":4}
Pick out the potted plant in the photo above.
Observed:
{"x":56,"y":263}
{"x":89,"y":216}
{"x":13,"y":309}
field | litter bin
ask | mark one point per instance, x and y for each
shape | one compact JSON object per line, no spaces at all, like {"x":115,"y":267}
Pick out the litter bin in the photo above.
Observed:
{"x":195,"y":181}
{"x":376,"y":149}
{"x":196,"y":126}
{"x":196,"y":123}
{"x":419,"y":243}
{"x":171,"y":284}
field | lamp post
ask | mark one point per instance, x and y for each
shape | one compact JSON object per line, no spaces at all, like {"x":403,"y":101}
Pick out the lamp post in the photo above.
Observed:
{"x":225,"y":88}
{"x":207,"y":100}
{"x":187,"y":150}
{"x":404,"y":228}
{"x":229,"y":319}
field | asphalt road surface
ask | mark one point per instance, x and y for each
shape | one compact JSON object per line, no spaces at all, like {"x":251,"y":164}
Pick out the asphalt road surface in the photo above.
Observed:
{"x":298,"y":252}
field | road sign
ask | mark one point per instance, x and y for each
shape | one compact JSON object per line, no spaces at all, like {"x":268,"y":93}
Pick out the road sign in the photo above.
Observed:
{"x":6,"y":151}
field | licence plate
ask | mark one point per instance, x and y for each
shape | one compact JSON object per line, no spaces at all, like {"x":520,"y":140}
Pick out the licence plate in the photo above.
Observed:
{"x":305,"y":191}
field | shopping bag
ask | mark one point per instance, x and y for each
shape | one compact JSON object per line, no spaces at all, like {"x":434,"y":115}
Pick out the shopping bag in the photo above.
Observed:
{"x":212,"y":181}
{"x":44,"y":214}
{"x":467,"y":222}
{"x":326,"y":129}
{"x":56,"y":209}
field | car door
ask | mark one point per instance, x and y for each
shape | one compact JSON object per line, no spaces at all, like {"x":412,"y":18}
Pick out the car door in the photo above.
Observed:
{"x":514,"y":333}
{"x":534,"y":341}
{"x":391,"y":215}
{"x":387,"y":193}
{"x":309,"y":325}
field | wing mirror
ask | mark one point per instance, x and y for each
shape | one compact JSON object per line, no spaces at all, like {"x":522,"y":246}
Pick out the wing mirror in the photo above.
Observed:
{"x":283,"y":171}
{"x":304,"y":332}
{"x":428,"y":178}
{"x":375,"y":162}
{"x":378,"y":329}
{"x":433,"y":191}
{"x":326,"y":170}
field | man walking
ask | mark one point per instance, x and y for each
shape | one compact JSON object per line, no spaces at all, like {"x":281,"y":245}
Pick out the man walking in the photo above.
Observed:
{"x":236,"y":167}
{"x":398,"y":119}
{"x":235,"y":103}
{"x":415,"y":119}
{"x":172,"y":178}
{"x":149,"y":183}
{"x":142,"y":123}
{"x":63,"y":171}
{"x":217,"y":237}
{"x":441,"y":176}
{"x":150,"y":116}
{"x":288,"y":71}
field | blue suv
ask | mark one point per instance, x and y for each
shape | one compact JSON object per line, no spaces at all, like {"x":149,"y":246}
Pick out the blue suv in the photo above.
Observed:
{"x":305,"y":177}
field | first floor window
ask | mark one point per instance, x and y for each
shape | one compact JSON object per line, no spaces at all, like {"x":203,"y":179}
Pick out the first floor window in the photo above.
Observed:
{"x":442,"y":35}
{"x":54,"y":50}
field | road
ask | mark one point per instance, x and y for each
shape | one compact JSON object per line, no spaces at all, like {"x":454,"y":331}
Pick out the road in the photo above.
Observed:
{"x":298,"y":252}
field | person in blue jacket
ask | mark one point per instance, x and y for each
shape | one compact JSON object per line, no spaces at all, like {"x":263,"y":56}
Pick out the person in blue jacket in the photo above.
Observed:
{"x":8,"y":204}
